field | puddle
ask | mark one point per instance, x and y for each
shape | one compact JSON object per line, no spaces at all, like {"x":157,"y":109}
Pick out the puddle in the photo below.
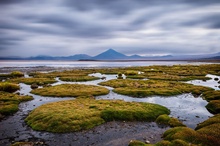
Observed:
{"x":212,"y":83}
{"x":187,"y":108}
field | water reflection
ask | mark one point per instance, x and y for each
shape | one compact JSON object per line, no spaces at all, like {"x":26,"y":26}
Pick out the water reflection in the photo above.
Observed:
{"x":212,"y":83}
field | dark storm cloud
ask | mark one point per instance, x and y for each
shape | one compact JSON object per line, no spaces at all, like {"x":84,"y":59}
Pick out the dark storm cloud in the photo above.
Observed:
{"x":138,"y":26}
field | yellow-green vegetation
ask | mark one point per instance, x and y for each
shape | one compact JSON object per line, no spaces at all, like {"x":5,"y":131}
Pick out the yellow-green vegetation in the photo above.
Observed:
{"x":14,"y":74}
{"x":8,"y":87}
{"x":143,"y":88}
{"x":85,"y":113}
{"x":166,"y":120}
{"x":213,"y":106}
{"x":136,"y":143}
{"x":9,"y":102}
{"x":71,"y":90}
{"x":213,"y":120}
{"x":38,"y":81}
{"x":206,"y":133}
{"x":23,"y":144}
{"x":65,"y":73}
{"x":78,"y":78}
{"x":211,"y":95}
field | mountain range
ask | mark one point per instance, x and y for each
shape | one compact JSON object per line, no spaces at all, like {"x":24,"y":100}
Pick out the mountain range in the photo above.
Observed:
{"x":111,"y":54}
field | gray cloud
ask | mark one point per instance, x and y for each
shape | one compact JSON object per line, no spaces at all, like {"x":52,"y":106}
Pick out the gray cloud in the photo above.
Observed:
{"x":92,"y":26}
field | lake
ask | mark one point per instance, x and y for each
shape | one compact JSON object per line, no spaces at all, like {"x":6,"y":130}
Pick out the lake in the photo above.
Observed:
{"x":84,"y":64}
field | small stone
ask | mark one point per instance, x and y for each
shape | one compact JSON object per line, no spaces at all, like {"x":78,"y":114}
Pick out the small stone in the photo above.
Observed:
{"x":197,"y":117}
{"x":147,"y":142}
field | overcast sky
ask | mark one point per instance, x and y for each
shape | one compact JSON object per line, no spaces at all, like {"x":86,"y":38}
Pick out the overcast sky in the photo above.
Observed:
{"x":144,"y":27}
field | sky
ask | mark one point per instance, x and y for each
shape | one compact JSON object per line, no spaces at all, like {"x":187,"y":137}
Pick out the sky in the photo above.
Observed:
{"x":143,"y":27}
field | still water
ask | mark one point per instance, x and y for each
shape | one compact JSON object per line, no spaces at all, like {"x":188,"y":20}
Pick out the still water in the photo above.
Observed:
{"x":83,"y":64}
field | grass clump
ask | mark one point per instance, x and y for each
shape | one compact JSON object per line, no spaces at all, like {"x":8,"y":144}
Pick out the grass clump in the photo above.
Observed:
{"x":8,"y":87}
{"x":23,"y":144}
{"x":136,"y":143}
{"x":166,"y":120}
{"x":213,"y":106}
{"x":79,"y":78}
{"x":71,"y":90}
{"x":9,"y":102}
{"x":205,"y":134}
{"x":14,"y":74}
{"x":163,"y":119}
{"x":38,"y":81}
{"x":210,"y":121}
{"x":84,"y":113}
{"x":143,"y":88}
{"x":212,"y":95}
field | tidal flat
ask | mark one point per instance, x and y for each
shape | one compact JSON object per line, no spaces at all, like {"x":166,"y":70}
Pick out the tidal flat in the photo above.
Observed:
{"x":187,"y":93}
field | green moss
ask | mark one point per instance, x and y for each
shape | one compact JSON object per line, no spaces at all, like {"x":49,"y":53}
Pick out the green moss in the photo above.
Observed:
{"x":8,"y":87}
{"x":174,"y":122}
{"x":14,"y":74}
{"x":212,"y":95}
{"x":210,"y":121}
{"x":84,"y":113}
{"x":79,"y":78}
{"x":213,"y":106}
{"x":136,"y":143}
{"x":163,"y":119}
{"x":163,"y":143}
{"x":38,"y":81}
{"x":17,"y":74}
{"x":131,"y":73}
{"x":206,"y":134}
{"x":143,"y":88}
{"x":9,"y":102}
{"x":135,"y":77}
{"x":23,"y":144}
{"x":71,"y":90}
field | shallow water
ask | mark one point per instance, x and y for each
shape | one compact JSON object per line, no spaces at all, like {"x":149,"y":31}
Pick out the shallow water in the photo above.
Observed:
{"x":83,"y":64}
{"x":185,"y":107}
{"x":209,"y":83}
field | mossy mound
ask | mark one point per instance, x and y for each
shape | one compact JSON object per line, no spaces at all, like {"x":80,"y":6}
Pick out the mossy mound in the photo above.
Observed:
{"x":166,"y":120}
{"x":206,"y":134}
{"x":78,"y":78}
{"x":71,"y":90}
{"x":14,"y":74}
{"x":9,"y":102}
{"x":210,"y":121}
{"x":213,"y":106}
{"x":23,"y":144}
{"x":8,"y":87}
{"x":211,"y":95}
{"x":136,"y":143}
{"x":81,"y":114}
{"x":143,"y":88}
{"x":38,"y":81}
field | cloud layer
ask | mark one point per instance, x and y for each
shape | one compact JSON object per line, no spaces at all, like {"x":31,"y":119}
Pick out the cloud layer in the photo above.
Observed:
{"x":66,"y":27}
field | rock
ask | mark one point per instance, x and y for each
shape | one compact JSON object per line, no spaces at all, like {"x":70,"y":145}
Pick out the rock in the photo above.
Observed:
{"x":216,"y":79}
{"x":103,"y":78}
{"x":147,"y":142}
{"x":34,"y":86}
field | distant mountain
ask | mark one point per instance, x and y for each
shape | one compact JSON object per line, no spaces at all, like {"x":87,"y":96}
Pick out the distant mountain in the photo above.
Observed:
{"x":76,"y":57}
{"x":110,"y":55}
{"x":213,"y":58}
